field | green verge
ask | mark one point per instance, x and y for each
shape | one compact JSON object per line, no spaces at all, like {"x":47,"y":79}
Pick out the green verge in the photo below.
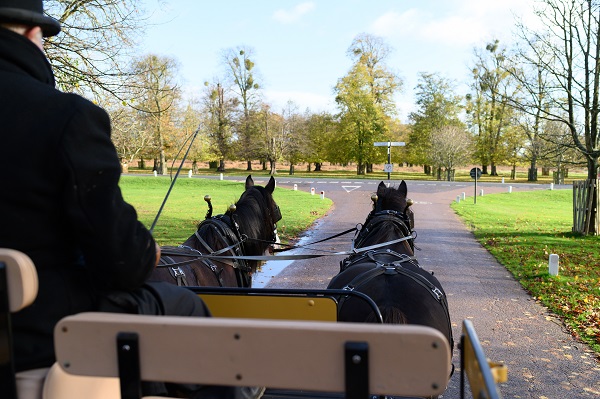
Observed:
{"x":521,"y":230}
{"x":399,"y":174}
{"x":186,"y":207}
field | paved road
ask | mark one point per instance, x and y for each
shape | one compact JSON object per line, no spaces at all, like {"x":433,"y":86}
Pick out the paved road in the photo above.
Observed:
{"x":543,"y":361}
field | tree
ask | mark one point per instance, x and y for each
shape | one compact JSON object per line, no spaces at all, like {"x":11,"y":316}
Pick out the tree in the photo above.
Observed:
{"x":438,"y":107}
{"x":534,"y":96}
{"x":450,"y":147}
{"x":96,"y":37}
{"x":219,"y":108}
{"x":294,"y":135}
{"x":191,"y":121}
{"x":568,"y":51}
{"x":272,"y":130}
{"x":155,"y":94}
{"x":241,"y":76}
{"x":488,"y":106}
{"x":365,"y":99}
{"x":128,"y":135}
{"x":321,"y":131}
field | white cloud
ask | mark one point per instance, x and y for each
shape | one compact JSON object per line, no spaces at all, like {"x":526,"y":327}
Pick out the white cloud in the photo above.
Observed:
{"x":470,"y":22}
{"x":289,"y":16}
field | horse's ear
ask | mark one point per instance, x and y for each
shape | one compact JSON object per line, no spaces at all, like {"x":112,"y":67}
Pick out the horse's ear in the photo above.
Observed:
{"x":402,"y":188}
{"x":249,"y":182}
{"x":380,"y":188}
{"x":270,"y":187}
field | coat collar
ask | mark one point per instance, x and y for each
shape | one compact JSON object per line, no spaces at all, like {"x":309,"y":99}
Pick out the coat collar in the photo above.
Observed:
{"x":20,"y":55}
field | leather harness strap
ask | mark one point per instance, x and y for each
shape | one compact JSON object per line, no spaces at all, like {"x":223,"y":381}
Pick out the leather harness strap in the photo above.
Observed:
{"x":175,"y":270}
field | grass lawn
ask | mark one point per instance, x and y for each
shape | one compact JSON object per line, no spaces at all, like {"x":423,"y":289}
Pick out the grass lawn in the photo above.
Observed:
{"x":186,"y":207}
{"x":521,"y":230}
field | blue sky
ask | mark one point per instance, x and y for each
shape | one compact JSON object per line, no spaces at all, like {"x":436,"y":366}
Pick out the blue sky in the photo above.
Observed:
{"x":300,"y":46}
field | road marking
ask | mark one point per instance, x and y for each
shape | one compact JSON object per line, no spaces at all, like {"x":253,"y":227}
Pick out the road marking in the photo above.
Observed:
{"x":350,"y":188}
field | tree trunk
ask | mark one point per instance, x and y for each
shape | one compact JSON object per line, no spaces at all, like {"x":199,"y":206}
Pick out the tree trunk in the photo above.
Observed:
{"x":360,"y":168}
{"x":494,"y":170}
{"x":484,"y":169}
{"x":221,"y":167}
{"x":291,"y":168}
{"x":273,"y":165}
{"x":369,"y":168}
{"x":545,"y":171}
{"x":195,"y":167}
{"x":162,"y":164}
{"x":318,"y":166}
{"x":249,"y":167}
{"x":590,"y":222}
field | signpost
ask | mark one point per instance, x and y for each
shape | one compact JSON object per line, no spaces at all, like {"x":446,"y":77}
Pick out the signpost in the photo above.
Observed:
{"x":389,"y":144}
{"x":475,"y":174}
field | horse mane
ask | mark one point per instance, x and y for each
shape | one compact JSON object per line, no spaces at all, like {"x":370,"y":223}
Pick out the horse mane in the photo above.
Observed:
{"x":386,"y":230}
{"x":254,"y":215}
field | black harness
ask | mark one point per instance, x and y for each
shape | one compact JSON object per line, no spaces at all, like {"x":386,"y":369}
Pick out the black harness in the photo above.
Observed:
{"x":395,"y":267}
{"x":228,"y":230}
{"x":399,"y":219}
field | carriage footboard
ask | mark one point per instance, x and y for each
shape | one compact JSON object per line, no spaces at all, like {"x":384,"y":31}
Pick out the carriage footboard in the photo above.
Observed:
{"x":358,"y":359}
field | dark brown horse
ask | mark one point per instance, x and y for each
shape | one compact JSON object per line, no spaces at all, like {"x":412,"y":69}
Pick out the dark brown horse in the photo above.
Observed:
{"x":248,"y":228}
{"x":384,"y":267}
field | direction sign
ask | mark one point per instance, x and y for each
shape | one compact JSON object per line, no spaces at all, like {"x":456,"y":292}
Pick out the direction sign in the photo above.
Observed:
{"x":475,"y":173}
{"x":389,"y":144}
{"x":388,"y":167}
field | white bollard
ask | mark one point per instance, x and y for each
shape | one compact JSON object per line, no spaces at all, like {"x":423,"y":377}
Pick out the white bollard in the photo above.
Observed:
{"x":458,"y":199}
{"x":481,"y":193}
{"x":295,"y":187}
{"x":510,"y":189}
{"x":551,"y":186}
{"x":322,"y":194}
{"x":503,"y":180}
{"x":553,"y":264}
{"x":221,"y":176}
{"x":464,"y":196}
{"x":155,"y":173}
{"x":190,"y":173}
{"x":312,"y":191}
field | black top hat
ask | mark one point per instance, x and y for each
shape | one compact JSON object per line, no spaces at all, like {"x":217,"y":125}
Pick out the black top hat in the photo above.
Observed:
{"x":28,"y":12}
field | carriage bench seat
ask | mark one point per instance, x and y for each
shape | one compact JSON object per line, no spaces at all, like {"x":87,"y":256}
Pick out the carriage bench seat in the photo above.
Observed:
{"x":358,"y":359}
{"x":18,"y":289}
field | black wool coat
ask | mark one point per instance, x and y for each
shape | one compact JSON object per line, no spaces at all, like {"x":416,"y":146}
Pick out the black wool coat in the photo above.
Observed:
{"x":59,"y":199}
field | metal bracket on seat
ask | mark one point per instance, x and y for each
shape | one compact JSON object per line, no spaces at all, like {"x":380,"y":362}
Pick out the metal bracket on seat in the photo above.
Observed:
{"x":357,"y":370}
{"x":7,"y":370}
{"x":128,"y":354}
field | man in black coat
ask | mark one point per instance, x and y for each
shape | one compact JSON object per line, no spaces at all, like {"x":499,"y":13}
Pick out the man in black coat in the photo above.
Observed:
{"x":60,"y":202}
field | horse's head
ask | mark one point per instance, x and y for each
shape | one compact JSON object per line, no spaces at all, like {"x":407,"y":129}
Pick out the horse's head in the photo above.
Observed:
{"x":390,"y":220}
{"x":394,"y":199}
{"x":257,"y":214}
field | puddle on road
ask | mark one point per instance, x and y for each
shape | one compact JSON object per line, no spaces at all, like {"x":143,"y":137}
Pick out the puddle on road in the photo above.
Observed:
{"x":273,"y":267}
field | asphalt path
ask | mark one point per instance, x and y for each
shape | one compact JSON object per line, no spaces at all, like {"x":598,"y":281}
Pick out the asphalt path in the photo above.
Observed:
{"x":543,"y":360}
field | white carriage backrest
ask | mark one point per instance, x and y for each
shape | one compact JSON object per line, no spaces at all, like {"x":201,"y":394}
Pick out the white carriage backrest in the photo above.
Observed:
{"x":22,"y":278}
{"x":307,"y":355}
